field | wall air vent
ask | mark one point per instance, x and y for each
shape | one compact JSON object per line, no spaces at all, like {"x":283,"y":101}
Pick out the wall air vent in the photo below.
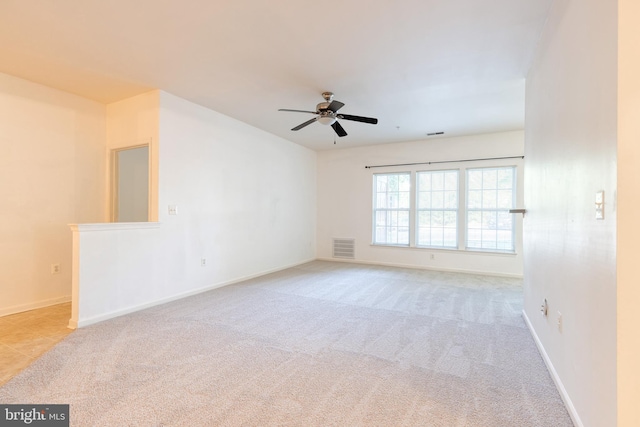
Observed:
{"x":344,"y":248}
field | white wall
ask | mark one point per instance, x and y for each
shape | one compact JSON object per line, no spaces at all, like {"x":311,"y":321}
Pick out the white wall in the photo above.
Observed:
{"x":246,"y":198}
{"x":345,"y":198}
{"x":628,"y":236}
{"x":52,"y":173}
{"x":246,"y":202}
{"x":570,"y":257}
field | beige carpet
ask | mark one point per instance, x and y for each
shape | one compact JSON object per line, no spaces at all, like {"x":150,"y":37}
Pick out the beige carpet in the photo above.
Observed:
{"x":322,"y":344}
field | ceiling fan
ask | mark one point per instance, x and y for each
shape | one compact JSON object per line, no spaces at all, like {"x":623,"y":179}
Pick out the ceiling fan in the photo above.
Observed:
{"x":327,"y":114}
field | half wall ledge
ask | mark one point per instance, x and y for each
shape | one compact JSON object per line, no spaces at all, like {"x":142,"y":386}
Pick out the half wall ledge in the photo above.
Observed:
{"x":88,"y":292}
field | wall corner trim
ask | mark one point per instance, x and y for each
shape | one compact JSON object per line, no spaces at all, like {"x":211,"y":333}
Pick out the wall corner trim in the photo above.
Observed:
{"x":554,"y":375}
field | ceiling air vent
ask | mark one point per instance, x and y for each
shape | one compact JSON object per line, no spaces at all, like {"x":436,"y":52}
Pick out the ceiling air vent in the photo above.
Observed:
{"x":344,"y":248}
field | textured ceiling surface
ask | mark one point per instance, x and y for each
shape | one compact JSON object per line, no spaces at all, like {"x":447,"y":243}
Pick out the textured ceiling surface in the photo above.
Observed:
{"x":419,"y":66}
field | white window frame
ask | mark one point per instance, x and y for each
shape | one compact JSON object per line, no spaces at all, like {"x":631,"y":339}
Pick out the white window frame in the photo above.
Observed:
{"x":444,"y":209}
{"x":463,"y":211}
{"x":391,"y":211}
{"x":488,"y":211}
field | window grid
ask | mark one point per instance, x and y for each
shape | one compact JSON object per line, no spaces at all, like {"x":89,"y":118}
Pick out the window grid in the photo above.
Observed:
{"x":391,"y":210}
{"x":437,"y":209}
{"x":490,"y":195}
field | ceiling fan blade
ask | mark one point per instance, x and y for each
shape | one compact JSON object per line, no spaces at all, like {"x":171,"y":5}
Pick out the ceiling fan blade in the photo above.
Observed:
{"x":307,"y":123}
{"x":297,"y":111}
{"x":335,"y":106}
{"x":339,"y":129}
{"x":370,"y":120}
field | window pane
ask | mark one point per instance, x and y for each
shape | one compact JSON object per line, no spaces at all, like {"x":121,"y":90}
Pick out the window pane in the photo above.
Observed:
{"x":424,"y":181}
{"x":437,"y":200}
{"x":504,"y":221}
{"x":475,"y":179}
{"x":505,"y":240}
{"x":474,"y":199}
{"x":505,"y":178}
{"x":451,"y":199}
{"x":424,"y":218}
{"x":505,"y":199}
{"x":475,"y":219}
{"x":404,"y":200}
{"x":489,"y":220}
{"x":474,"y":239}
{"x":489,"y":238}
{"x":451,"y":181}
{"x":423,"y":236}
{"x":450,"y":219}
{"x":489,"y":199}
{"x":437,"y":219}
{"x":381,"y":183}
{"x":490,"y":179}
{"x":437,"y":181}
{"x":392,"y":181}
{"x":405,"y":182}
{"x":403,"y":219}
{"x":424,"y":200}
{"x":437,"y":208}
{"x":490,"y":195}
{"x":437,"y":236}
{"x":392,"y":193}
{"x":450,"y":238}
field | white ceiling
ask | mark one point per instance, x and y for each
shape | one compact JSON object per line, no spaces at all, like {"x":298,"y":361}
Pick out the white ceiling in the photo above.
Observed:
{"x":419,"y":66}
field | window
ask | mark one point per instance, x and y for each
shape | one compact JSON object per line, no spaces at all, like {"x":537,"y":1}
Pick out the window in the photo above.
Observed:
{"x":437,"y":209}
{"x":391,"y":205}
{"x":490,"y":195}
{"x":459,"y":209}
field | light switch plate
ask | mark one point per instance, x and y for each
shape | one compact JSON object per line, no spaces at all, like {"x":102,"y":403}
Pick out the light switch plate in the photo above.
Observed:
{"x":173,"y":210}
{"x":600,"y":205}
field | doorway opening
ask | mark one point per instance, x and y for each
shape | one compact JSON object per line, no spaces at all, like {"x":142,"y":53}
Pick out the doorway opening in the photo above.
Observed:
{"x":130,"y":184}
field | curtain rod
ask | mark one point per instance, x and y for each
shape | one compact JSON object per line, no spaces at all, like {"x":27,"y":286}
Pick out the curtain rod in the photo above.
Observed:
{"x":443,"y":161}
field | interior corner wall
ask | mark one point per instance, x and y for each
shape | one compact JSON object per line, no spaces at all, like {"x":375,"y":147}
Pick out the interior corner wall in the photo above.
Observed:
{"x":345,"y":199}
{"x":52,"y":169}
{"x":570,"y":154}
{"x":246,"y":204}
{"x":628,"y":235}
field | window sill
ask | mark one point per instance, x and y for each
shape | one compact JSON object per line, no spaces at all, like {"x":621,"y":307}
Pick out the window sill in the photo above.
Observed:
{"x":449,"y":250}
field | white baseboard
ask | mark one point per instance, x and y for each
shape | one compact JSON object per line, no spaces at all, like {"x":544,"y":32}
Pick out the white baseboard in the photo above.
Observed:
{"x":5,"y":311}
{"x":556,"y":379}
{"x":80,"y":323}
{"x":421,"y":267}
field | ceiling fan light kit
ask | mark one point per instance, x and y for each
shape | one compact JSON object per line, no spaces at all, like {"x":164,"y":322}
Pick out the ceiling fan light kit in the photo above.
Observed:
{"x":327,"y":120}
{"x":327,"y":114}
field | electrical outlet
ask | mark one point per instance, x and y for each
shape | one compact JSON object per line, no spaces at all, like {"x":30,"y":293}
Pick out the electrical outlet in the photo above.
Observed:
{"x":55,"y":268}
{"x":432,"y":256}
{"x":544,"y":308}
{"x":559,"y":322}
{"x":203,"y":262}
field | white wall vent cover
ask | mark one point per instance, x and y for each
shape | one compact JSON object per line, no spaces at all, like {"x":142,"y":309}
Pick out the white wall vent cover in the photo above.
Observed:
{"x":344,"y":248}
